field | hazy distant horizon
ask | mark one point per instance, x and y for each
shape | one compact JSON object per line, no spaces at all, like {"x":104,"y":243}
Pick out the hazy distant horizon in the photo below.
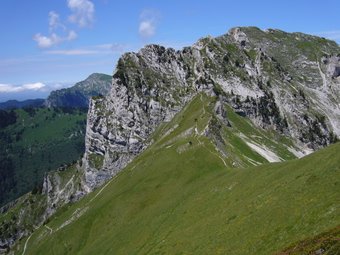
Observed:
{"x":28,"y":91}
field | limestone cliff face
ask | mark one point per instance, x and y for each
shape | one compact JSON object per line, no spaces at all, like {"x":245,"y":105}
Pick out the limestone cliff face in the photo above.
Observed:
{"x":288,"y":82}
{"x":148,"y":88}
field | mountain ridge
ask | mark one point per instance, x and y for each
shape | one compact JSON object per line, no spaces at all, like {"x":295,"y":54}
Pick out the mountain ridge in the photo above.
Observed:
{"x":179,"y":196}
{"x":264,"y":108}
{"x":243,"y":66}
{"x":76,"y":96}
{"x":79,"y":94}
{"x":14,"y":104}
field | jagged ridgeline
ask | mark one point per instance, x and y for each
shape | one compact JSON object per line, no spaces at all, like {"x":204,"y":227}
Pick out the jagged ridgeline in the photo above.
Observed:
{"x":285,"y":82}
{"x":187,"y":135}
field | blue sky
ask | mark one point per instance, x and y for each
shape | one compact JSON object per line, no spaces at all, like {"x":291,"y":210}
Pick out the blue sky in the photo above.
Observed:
{"x":49,"y":44}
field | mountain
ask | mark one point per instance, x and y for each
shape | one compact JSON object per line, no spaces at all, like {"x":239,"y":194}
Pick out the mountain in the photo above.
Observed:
{"x":78,"y":96}
{"x":294,"y":91}
{"x":187,"y":149}
{"x":14,"y":104}
{"x":181,"y":196}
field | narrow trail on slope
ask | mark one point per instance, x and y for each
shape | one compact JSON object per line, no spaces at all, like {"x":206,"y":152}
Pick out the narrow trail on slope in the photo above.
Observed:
{"x":77,"y":213}
{"x":203,"y":104}
{"x":25,"y":247}
{"x":81,"y":210}
{"x":68,"y":183}
{"x":26,"y":243}
{"x":214,"y":153}
{"x":201,"y":143}
{"x":101,"y":190}
{"x":50,"y":229}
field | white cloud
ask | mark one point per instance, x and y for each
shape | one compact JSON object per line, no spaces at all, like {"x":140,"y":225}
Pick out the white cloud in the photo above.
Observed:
{"x":54,"y":21}
{"x":83,"y":12}
{"x":148,"y":22}
{"x":118,"y":47}
{"x":46,"y":41}
{"x":72,"y":52}
{"x":33,"y":86}
{"x":114,"y":47}
{"x":49,"y":41}
{"x":59,"y":85}
{"x":9,"y":88}
{"x":333,"y":35}
{"x":147,"y":28}
{"x":108,"y":48}
{"x":71,"y":35}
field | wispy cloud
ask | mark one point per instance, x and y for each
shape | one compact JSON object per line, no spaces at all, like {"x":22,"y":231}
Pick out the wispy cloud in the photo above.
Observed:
{"x":54,"y":21}
{"x":53,"y":39}
{"x":333,"y":35}
{"x":55,"y":25}
{"x":82,"y":15}
{"x":114,"y":47}
{"x":72,"y":52}
{"x":10,"y":88}
{"x":147,"y":28}
{"x":82,"y":12}
{"x":148,"y":23}
{"x":91,"y":50}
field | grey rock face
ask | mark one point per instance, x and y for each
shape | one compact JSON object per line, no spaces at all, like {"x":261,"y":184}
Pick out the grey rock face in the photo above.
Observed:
{"x":333,"y":66}
{"x":148,"y":88}
{"x":60,"y":191}
{"x":239,"y":36}
{"x":281,"y":81}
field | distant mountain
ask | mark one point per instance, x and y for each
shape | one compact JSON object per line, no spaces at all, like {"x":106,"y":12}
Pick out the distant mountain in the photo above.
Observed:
{"x":14,"y":104}
{"x":78,"y":96}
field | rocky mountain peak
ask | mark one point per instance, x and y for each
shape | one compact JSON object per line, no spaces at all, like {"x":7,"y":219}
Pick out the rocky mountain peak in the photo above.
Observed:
{"x":282,"y":81}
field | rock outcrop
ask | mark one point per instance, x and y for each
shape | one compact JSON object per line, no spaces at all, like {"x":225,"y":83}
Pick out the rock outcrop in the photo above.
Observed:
{"x":282,"y":81}
{"x":148,"y":88}
{"x":333,"y":65}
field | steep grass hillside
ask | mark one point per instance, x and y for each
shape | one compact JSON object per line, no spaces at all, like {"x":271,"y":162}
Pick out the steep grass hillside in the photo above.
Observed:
{"x":191,"y":192}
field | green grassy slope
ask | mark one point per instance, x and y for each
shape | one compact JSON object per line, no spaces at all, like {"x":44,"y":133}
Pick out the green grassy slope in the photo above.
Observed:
{"x":40,"y":140}
{"x":182,"y":197}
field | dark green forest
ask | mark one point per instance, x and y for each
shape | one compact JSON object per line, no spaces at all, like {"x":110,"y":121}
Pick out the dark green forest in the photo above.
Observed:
{"x":34,"y":141}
